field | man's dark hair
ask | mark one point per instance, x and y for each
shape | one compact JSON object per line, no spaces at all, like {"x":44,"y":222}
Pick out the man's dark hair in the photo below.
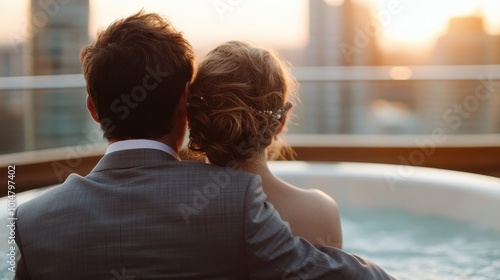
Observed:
{"x":136,"y":71}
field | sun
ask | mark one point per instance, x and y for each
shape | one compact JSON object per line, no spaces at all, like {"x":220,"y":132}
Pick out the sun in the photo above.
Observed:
{"x":417,"y":24}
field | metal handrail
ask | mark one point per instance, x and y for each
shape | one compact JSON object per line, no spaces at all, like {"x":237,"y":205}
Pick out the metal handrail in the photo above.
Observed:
{"x":303,"y":74}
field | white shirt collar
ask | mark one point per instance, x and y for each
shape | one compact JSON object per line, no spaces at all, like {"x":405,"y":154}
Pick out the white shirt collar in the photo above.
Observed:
{"x":141,"y":144}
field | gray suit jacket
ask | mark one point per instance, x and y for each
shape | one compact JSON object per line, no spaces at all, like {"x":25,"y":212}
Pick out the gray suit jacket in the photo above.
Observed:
{"x":142,"y":215}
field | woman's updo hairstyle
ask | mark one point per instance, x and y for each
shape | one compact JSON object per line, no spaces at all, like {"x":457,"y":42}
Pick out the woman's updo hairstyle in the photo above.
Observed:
{"x":239,"y":97}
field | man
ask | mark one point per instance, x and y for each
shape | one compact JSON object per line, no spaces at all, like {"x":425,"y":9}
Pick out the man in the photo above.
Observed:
{"x":143,"y":214}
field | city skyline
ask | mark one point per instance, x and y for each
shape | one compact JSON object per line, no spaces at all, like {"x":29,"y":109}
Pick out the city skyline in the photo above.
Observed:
{"x":330,"y":106}
{"x":277,"y":24}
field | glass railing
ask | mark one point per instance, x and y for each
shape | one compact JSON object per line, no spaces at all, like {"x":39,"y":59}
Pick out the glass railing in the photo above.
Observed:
{"x":437,"y":116}
{"x":41,"y":112}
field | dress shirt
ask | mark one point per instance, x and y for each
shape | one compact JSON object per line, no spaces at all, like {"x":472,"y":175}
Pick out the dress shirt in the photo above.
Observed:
{"x":141,"y":144}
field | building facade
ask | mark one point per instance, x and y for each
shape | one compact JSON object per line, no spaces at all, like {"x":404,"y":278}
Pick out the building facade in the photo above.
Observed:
{"x":454,"y":105}
{"x":59,"y":31}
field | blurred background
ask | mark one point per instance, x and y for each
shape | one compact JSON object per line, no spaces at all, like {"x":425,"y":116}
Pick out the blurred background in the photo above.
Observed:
{"x":366,"y":68}
{"x":412,"y":83}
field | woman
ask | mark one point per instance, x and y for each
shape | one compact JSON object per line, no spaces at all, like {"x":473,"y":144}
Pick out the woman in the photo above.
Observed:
{"x":238,"y":104}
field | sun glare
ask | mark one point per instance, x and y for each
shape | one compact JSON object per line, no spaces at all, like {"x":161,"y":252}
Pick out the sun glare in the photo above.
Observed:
{"x":417,"y":24}
{"x":210,"y":22}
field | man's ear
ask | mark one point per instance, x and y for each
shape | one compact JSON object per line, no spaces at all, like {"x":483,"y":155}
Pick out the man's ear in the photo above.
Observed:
{"x":182,"y":110}
{"x":91,"y":109}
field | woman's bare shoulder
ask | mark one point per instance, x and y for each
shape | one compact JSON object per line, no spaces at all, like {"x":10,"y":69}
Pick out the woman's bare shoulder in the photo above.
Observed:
{"x":317,"y":199}
{"x":319,"y":217}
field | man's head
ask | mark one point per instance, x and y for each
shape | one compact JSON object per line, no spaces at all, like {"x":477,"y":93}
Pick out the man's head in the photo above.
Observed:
{"x":136,"y":73}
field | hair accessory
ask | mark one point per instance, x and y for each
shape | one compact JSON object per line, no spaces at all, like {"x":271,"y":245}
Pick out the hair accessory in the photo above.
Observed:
{"x":278,"y":114}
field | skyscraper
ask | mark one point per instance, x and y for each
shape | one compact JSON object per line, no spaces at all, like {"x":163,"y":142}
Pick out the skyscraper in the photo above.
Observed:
{"x":453,"y":105}
{"x":341,"y":33}
{"x":466,"y":43}
{"x":11,"y":102}
{"x":338,"y":36}
{"x":59,"y":31}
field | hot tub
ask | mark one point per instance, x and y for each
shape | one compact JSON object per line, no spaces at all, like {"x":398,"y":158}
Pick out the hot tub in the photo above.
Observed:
{"x":415,"y":222}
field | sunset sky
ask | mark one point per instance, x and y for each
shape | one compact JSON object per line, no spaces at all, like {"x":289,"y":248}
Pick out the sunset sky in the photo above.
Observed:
{"x":275,"y":23}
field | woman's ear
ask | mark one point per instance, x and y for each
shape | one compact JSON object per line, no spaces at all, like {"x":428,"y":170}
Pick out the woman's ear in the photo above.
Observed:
{"x":91,"y":109}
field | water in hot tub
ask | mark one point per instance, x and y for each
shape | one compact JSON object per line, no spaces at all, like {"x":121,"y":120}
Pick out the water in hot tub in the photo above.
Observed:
{"x":421,"y":247}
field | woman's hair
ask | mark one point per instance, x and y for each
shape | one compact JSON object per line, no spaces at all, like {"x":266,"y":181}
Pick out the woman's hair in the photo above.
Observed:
{"x":238,"y":100}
